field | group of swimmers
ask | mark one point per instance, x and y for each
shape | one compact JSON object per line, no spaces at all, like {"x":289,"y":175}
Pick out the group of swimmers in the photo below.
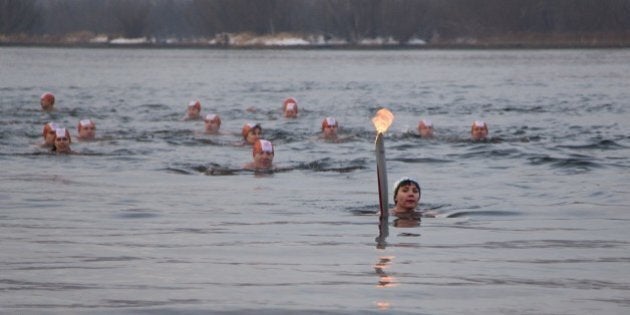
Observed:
{"x":478,"y":130}
{"x":407,"y":191}
{"x":57,"y":137}
{"x":262,"y":149}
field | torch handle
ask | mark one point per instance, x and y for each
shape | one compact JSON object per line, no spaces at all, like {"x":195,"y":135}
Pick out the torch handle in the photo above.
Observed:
{"x":381,"y":171}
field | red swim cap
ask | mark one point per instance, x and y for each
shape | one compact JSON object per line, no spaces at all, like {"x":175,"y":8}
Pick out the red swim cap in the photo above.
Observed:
{"x":261,"y":146}
{"x":47,"y":99}
{"x":290,"y":103}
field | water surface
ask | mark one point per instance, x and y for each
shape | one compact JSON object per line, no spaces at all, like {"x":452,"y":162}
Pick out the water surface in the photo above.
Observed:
{"x":154,"y":217}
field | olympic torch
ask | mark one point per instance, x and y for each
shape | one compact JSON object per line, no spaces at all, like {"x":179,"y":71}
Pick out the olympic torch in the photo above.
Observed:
{"x":382,"y":121}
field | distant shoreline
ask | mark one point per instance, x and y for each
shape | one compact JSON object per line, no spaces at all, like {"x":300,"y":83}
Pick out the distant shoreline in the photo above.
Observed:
{"x":445,"y":46}
{"x":284,"y":41}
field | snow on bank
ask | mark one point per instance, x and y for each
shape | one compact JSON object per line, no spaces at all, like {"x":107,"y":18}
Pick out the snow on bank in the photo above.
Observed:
{"x":252,"y":40}
{"x":129,"y":41}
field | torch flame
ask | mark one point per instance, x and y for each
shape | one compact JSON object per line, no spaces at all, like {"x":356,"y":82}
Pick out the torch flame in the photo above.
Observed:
{"x":382,"y":120}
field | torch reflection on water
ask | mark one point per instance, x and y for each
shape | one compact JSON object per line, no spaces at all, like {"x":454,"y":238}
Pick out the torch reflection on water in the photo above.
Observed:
{"x":384,"y":280}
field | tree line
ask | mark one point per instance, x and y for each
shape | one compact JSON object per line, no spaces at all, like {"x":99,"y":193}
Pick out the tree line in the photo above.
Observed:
{"x":352,"y":20}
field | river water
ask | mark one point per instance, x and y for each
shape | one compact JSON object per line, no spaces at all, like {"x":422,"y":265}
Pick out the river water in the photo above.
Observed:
{"x":155,"y":217}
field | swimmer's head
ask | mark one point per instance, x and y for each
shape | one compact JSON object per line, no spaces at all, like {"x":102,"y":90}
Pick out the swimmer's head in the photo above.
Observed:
{"x":86,"y":129}
{"x":62,"y":140}
{"x":47,"y":101}
{"x":329,"y":127}
{"x":425,"y":128}
{"x":479,"y":130}
{"x":49,"y":128}
{"x":212,"y":123}
{"x":49,"y":133}
{"x":262,"y":150}
{"x":251,"y":132}
{"x":290,"y":108}
{"x":405,"y":181}
{"x":194,"y":109}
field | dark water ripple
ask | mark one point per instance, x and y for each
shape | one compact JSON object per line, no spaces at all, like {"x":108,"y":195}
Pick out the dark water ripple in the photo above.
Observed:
{"x":576,"y":162}
{"x":598,"y":145}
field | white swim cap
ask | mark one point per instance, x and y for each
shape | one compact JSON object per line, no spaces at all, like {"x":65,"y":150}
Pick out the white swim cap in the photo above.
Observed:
{"x":60,"y":132}
{"x":85,"y":122}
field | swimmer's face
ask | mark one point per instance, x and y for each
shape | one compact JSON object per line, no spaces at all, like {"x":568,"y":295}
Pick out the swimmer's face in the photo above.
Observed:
{"x":47,"y":103}
{"x":425,"y":131}
{"x":62,"y":144}
{"x":212,"y":126}
{"x":87,"y":132}
{"x":263,"y":160}
{"x":193,"y":112}
{"x":290,"y":113}
{"x":253,"y":135}
{"x":49,"y":138}
{"x":330,"y":131}
{"x":407,"y":197}
{"x":479,"y":132}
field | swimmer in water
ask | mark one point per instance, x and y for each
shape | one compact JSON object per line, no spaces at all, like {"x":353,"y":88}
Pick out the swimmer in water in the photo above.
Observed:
{"x":290,"y":108}
{"x":406,"y":199}
{"x":329,"y":128}
{"x":212,"y":123}
{"x":251,"y":132}
{"x":406,"y":196}
{"x":479,"y":131}
{"x":425,"y":129}
{"x":86,"y":129}
{"x":193,"y":112}
{"x":62,"y":141}
{"x":49,"y":134}
{"x":263,"y":154}
{"x":47,"y":101}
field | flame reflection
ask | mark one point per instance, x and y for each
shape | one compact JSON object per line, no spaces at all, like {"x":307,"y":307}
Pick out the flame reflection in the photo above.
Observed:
{"x":383,"y":305}
{"x":384,"y":280}
{"x":382,"y":120}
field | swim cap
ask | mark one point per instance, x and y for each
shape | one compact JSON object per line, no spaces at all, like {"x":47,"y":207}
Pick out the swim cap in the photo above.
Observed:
{"x":329,"y":121}
{"x":195,"y":104}
{"x":62,"y":132}
{"x":84,"y":123}
{"x":479,"y":123}
{"x":426,"y":123}
{"x":248,"y":127}
{"x":404,"y":181}
{"x":211,"y":117}
{"x":261,"y":146}
{"x":51,"y":126}
{"x":290,"y":104}
{"x":47,"y":97}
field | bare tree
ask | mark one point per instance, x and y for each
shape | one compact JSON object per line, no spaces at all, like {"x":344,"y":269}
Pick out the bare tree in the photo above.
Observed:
{"x":404,"y":19}
{"x":132,"y":16}
{"x":18,"y":16}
